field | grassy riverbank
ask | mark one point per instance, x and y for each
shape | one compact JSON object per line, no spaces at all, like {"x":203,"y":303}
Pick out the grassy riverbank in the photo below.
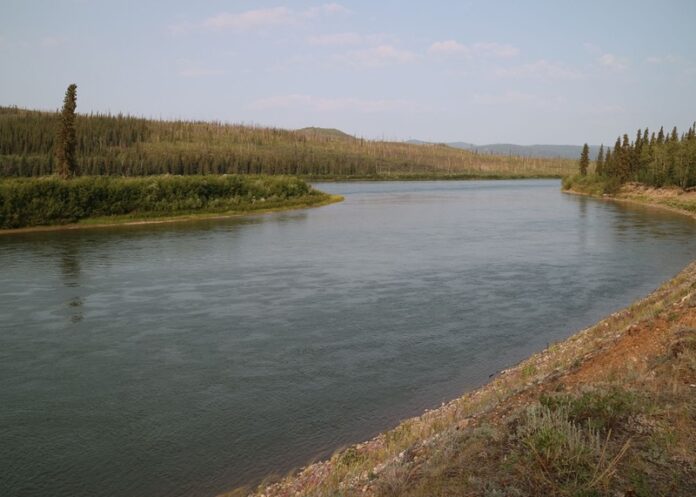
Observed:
{"x":671,"y":198}
{"x":96,"y":201}
{"x":610,"y":411}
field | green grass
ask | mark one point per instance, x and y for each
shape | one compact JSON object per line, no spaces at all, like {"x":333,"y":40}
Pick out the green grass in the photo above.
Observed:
{"x":680,"y":204}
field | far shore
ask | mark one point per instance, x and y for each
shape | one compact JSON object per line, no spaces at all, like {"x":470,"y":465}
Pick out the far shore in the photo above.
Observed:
{"x":667,"y":199}
{"x":424,"y":177}
{"x":135,"y":220}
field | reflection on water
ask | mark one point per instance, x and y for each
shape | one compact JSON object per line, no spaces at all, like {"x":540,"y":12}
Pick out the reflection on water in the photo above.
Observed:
{"x":185,"y":359}
{"x":70,"y":269}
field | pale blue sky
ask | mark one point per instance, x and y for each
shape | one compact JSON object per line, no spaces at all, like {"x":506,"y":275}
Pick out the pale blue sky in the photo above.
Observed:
{"x":478,"y":71}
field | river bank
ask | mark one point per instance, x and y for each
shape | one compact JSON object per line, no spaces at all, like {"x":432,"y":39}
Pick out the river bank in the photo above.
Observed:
{"x":672,"y":199}
{"x":135,"y":220}
{"x":609,"y":411}
{"x":49,"y":203}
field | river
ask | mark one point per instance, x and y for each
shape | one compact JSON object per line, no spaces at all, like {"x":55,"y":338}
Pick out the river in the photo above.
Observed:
{"x":185,"y":359}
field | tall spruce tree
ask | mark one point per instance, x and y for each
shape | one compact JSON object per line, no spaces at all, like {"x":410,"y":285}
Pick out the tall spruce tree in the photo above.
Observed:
{"x":584,"y":160}
{"x":599,"y":164}
{"x":66,"y":143}
{"x":625,"y":159}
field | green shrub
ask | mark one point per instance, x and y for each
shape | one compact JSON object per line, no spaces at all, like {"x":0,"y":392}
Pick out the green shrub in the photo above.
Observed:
{"x":558,"y":456}
{"x":592,"y":184}
{"x":50,"y":200}
{"x":602,"y":409}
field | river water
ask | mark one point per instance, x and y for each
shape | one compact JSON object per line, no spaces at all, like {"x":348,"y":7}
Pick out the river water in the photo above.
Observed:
{"x":185,"y":359}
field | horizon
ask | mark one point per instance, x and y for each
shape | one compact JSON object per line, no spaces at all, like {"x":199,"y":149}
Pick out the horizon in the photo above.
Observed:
{"x":448,"y":72}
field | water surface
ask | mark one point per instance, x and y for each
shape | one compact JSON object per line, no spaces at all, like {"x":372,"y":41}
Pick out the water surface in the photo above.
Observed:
{"x":185,"y":359}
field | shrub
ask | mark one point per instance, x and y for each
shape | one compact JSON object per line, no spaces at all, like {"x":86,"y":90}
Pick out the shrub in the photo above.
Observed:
{"x":592,"y":184}
{"x":603,"y":409}
{"x":50,"y":200}
{"x":559,"y":456}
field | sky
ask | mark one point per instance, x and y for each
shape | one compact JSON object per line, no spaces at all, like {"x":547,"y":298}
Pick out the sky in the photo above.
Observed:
{"x":551,"y":72}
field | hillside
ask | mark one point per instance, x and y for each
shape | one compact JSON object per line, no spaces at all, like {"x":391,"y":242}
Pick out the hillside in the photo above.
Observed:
{"x":131,"y":146}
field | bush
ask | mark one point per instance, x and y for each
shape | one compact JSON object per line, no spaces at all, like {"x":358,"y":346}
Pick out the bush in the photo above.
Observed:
{"x":592,"y":184}
{"x":603,"y":409}
{"x":558,"y":455}
{"x":50,"y":200}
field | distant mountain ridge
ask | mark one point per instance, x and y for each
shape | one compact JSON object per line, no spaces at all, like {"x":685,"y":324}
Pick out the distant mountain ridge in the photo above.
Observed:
{"x":548,"y":151}
{"x":503,"y":149}
{"x":326,"y":133}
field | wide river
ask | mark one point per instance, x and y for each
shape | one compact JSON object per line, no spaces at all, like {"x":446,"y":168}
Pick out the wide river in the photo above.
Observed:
{"x":185,"y":359}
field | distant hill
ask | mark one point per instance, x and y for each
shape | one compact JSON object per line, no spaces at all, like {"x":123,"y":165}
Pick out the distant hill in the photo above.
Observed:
{"x":331,"y":133}
{"x":551,"y":151}
{"x":542,"y":151}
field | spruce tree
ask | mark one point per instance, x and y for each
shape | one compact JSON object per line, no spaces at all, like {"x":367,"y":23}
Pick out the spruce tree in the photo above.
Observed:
{"x":599,"y":166}
{"x":675,"y":135}
{"x":66,"y":143}
{"x":617,"y":159}
{"x":584,"y":160}
{"x":625,"y":159}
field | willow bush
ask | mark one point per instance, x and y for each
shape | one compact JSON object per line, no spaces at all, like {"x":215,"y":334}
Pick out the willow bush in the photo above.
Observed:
{"x":51,"y":200}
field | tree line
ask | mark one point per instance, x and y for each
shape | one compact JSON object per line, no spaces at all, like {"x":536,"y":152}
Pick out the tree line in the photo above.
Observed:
{"x":655,"y":159}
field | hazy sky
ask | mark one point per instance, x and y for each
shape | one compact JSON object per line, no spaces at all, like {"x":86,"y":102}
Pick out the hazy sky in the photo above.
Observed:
{"x":478,"y":71}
